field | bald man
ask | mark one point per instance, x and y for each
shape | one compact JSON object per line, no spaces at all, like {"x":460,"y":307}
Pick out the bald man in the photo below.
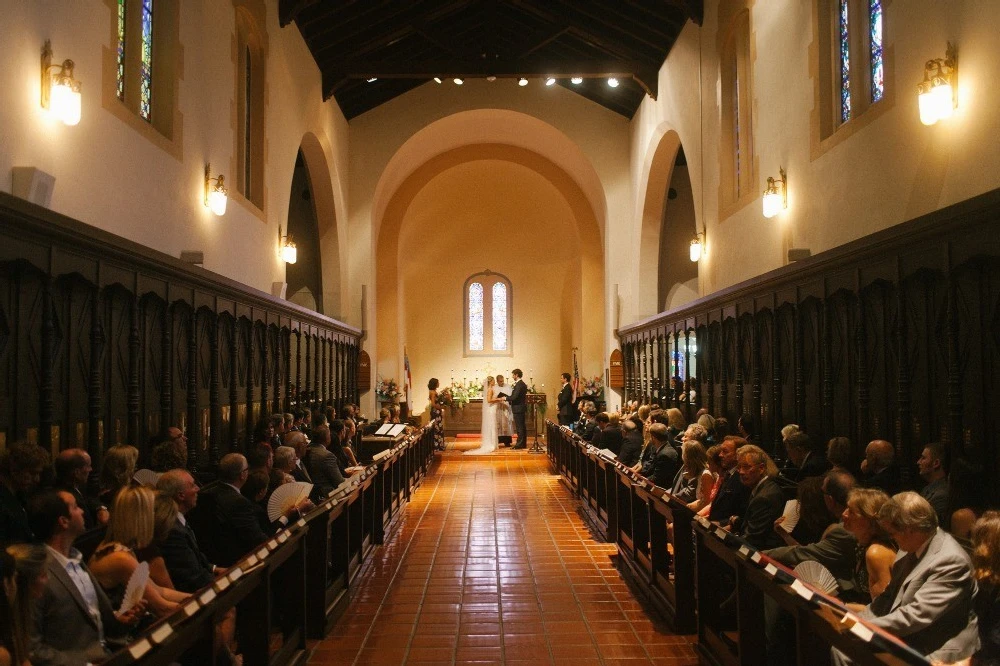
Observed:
{"x":879,"y":468}
{"x":72,"y":467}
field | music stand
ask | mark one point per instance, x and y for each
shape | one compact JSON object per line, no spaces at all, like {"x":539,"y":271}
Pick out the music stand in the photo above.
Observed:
{"x":535,"y":399}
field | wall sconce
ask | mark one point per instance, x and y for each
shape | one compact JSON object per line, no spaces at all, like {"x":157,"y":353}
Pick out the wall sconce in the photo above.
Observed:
{"x":216,"y":195}
{"x":937,"y":94}
{"x":289,"y":253}
{"x":698,"y":246}
{"x":776,"y":194}
{"x":60,"y":91}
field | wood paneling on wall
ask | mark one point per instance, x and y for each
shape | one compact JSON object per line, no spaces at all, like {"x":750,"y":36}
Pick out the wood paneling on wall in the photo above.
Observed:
{"x":894,"y":336}
{"x":104,"y":342}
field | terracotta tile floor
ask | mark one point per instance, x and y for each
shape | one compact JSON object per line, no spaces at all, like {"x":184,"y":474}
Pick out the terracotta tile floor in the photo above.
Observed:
{"x":492,"y":564}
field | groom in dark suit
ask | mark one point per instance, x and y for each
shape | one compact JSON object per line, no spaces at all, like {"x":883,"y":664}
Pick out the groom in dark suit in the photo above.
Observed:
{"x":518,"y":407}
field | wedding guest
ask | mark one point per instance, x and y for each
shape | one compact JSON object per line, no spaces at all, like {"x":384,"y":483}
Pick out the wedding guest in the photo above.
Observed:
{"x":322,"y":463}
{"x":73,"y":468}
{"x":631,"y":442}
{"x":731,"y":500}
{"x":876,"y":551}
{"x":608,"y":434}
{"x":21,"y":467}
{"x":814,"y":518}
{"x":23,"y":573}
{"x":436,"y":409}
{"x":986,"y":563}
{"x":879,"y":469}
{"x":168,"y":450}
{"x":931,"y":466}
{"x":117,"y":470}
{"x":662,"y":463}
{"x":699,"y":477}
{"x":757,"y":472}
{"x":565,"y":400}
{"x":838,"y":452}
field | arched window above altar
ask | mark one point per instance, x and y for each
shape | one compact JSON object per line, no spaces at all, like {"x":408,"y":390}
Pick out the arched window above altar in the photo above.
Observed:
{"x":487,"y":298}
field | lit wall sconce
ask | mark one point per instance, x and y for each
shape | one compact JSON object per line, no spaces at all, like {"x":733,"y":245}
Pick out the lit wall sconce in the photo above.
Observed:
{"x":937,"y":93}
{"x":60,"y":91}
{"x":289,"y":253}
{"x":216,"y":196}
{"x":776,"y":194}
{"x":698,"y":246}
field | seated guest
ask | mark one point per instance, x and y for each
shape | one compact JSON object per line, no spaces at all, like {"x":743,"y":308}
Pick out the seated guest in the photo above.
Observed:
{"x":72,"y":468}
{"x":662,"y":462}
{"x":260,"y":456}
{"x":298,"y":442}
{"x":235,"y":523}
{"x":986,"y":564}
{"x":757,"y":472}
{"x":189,"y":569}
{"x":878,"y":469}
{"x":814,"y":518}
{"x":929,"y":602}
{"x":289,"y":424}
{"x":73,"y":617}
{"x":707,"y":421}
{"x":837,"y":550}
{"x":713,"y":454}
{"x":338,"y":431}
{"x":285,"y":462}
{"x":130,"y":531}
{"x":350,"y":437}
{"x":698,"y":478}
{"x":631,"y":442}
{"x":803,"y":462}
{"x":21,"y":467}
{"x":395,"y":418}
{"x":23,"y":573}
{"x":168,"y":450}
{"x":256,"y":489}
{"x":932,"y":470}
{"x":838,"y":454}
{"x":721,"y":430}
{"x":876,"y":551}
{"x":608,"y":434}
{"x":322,"y":463}
{"x":676,"y":423}
{"x":116,"y":472}
{"x":732,"y":497}
{"x":588,"y":425}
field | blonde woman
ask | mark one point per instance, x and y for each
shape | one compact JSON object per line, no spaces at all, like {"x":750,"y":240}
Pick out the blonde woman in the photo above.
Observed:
{"x":131,"y":529}
{"x":695,"y":460}
{"x":876,"y":551}
{"x":116,"y":471}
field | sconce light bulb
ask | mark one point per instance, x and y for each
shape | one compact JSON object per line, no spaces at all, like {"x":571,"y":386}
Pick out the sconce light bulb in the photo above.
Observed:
{"x":696,"y":249}
{"x":550,"y":81}
{"x":522,"y":82}
{"x":576,"y":80}
{"x":613,"y":82}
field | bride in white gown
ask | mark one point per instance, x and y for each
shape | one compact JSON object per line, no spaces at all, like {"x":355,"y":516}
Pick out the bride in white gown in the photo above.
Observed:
{"x":489,"y":429}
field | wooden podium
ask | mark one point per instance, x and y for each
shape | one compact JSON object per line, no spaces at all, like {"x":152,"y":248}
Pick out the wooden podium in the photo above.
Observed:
{"x":533,"y":400}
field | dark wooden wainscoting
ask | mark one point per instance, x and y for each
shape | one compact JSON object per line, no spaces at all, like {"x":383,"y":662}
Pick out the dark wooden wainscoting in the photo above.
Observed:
{"x":893,"y":336}
{"x":104,"y":342}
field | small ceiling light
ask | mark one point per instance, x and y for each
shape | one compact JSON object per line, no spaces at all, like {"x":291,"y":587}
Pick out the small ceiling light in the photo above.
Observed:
{"x":491,"y":78}
{"x":550,"y":81}
{"x":698,"y":246}
{"x":459,"y":81}
{"x":776,"y":195}
{"x":60,"y":91}
{"x":216,"y":196}
{"x":373,"y":79}
{"x":437,"y":79}
{"x":576,"y":80}
{"x":613,"y":82}
{"x":522,"y":82}
{"x":936,"y":93}
{"x":289,"y":253}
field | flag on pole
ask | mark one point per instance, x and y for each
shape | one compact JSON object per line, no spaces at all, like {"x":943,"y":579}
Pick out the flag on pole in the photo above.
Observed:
{"x":409,"y":380}
{"x":576,"y":377}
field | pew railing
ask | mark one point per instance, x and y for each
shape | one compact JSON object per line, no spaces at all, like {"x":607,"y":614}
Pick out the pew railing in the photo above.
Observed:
{"x":295,"y":585}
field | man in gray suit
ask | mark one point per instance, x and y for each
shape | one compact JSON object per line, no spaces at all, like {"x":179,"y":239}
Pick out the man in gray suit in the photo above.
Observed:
{"x":73,"y":617}
{"x":928,"y":603}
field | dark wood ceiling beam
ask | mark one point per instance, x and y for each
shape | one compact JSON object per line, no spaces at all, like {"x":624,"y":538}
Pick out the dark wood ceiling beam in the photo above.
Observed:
{"x":366,"y":35}
{"x":289,"y":10}
{"x":584,"y":17}
{"x":543,"y":42}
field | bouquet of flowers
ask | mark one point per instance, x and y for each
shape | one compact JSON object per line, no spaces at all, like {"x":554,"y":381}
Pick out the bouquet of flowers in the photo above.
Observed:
{"x":461,"y":394}
{"x":592,"y":388}
{"x":386,"y":390}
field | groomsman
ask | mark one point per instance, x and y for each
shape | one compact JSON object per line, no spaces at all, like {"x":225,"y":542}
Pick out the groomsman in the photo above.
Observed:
{"x":565,"y":401}
{"x":518,"y":407}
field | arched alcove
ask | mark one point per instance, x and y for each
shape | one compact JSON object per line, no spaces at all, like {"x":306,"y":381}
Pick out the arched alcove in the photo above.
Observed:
{"x":667,"y":225}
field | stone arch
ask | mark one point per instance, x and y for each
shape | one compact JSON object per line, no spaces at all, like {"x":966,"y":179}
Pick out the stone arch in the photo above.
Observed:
{"x":320,"y":179}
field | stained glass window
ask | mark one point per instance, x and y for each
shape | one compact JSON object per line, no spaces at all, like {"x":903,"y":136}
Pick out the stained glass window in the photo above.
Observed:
{"x":845,"y":64}
{"x":247,"y":136}
{"x":476,"y":316}
{"x":875,"y":36}
{"x":121,"y":50}
{"x":499,"y":316}
{"x":146,"y":74}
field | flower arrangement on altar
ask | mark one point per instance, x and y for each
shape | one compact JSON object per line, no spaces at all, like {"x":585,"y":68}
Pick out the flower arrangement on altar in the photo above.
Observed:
{"x":592,"y":388}
{"x":386,"y":390}
{"x":461,"y":393}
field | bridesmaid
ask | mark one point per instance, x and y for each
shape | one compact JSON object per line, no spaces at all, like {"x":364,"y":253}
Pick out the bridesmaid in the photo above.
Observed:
{"x":437,"y":413}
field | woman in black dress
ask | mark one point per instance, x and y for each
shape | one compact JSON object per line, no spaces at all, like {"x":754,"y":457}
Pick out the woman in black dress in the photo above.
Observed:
{"x":437,"y":413}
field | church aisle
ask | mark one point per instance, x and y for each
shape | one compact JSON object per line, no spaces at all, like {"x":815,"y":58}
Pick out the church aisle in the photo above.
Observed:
{"x":492,"y":564}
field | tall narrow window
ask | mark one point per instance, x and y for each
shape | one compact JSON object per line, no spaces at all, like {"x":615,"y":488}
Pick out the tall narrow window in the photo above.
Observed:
{"x":146,"y":71}
{"x":487,"y":314}
{"x":120,"y":60}
{"x":249,"y":94}
{"x":248,"y":126}
{"x":499,"y":316}
{"x":875,"y":37}
{"x":476,"y":313}
{"x":738,"y":182}
{"x":845,"y":62}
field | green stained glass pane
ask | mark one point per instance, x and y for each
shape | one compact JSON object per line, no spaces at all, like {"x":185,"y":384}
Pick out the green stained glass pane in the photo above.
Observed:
{"x":121,"y":49}
{"x":146,"y":73}
{"x":875,"y":37}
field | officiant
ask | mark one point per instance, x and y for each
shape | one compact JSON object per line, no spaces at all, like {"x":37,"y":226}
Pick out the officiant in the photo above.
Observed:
{"x":505,"y":418}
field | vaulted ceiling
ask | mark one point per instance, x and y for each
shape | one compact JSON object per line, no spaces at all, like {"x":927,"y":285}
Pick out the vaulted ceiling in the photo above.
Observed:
{"x":405,"y":43}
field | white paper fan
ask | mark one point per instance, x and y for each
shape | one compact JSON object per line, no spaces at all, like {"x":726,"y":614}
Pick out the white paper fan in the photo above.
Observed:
{"x":136,"y":587}
{"x":817,"y":575}
{"x":146,"y":477}
{"x":791,"y":514}
{"x":285,"y":497}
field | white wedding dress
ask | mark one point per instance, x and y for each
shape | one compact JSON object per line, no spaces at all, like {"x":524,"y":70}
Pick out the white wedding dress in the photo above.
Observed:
{"x":489,"y":429}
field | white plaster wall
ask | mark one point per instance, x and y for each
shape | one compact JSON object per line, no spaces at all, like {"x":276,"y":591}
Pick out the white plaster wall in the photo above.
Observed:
{"x":892,"y":170}
{"x":111,"y":177}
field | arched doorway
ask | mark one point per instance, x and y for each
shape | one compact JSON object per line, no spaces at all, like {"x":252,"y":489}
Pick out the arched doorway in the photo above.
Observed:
{"x":305,"y":276}
{"x":677,"y":275}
